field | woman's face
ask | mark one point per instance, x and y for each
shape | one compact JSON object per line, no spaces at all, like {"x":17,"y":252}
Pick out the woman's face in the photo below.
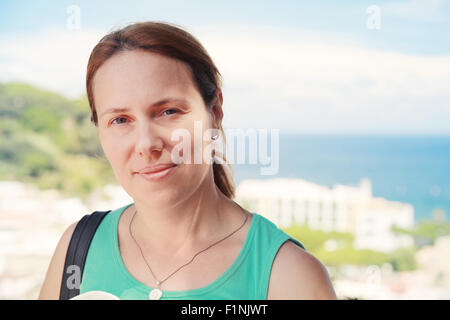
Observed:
{"x":140,"y":135}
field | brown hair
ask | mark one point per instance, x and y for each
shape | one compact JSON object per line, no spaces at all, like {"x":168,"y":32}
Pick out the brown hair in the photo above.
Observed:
{"x":174,"y":42}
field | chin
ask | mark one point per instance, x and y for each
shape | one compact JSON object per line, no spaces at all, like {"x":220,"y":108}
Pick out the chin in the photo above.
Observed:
{"x":160,"y":198}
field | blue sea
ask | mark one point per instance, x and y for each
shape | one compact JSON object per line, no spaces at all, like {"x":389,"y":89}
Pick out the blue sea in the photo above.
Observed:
{"x":411,"y":169}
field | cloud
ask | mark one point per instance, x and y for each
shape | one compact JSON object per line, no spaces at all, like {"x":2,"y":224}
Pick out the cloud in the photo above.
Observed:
{"x":55,"y":59}
{"x":311,"y":82}
{"x":275,"y":78}
{"x":423,"y":10}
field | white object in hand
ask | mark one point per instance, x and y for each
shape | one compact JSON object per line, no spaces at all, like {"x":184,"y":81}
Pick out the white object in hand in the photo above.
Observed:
{"x":95,"y":295}
{"x":155,"y":294}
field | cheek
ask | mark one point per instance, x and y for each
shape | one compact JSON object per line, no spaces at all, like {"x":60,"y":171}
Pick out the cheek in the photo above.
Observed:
{"x":200,"y":141}
{"x":199,"y":148}
{"x":115,"y":151}
{"x":195,"y":168}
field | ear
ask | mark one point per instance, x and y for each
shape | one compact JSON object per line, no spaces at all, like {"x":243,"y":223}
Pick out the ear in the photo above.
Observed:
{"x":217,"y":108}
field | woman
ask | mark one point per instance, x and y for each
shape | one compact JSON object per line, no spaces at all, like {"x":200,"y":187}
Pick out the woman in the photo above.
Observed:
{"x":183,"y":237}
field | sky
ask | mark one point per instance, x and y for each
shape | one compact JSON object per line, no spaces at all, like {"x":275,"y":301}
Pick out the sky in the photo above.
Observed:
{"x":322,"y":67}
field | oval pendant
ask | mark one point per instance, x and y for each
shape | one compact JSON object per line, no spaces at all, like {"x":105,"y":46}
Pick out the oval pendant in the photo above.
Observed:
{"x":155,"y":294}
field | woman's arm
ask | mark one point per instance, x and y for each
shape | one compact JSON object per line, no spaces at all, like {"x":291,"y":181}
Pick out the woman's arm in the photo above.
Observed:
{"x":52,"y":283}
{"x":298,"y":275}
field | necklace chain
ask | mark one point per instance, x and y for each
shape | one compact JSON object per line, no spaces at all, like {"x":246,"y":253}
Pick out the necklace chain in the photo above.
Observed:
{"x":159,"y":282}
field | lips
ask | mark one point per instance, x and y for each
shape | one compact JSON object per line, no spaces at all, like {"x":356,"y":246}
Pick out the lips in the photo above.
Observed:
{"x":157,"y":173}
{"x":156,"y":168}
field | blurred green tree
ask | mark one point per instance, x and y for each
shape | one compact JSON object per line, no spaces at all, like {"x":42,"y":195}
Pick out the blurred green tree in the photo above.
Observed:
{"x":335,"y":249}
{"x":48,"y":140}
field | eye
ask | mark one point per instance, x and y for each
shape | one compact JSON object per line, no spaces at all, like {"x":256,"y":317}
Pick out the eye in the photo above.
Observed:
{"x":112,"y":122}
{"x":171,"y":111}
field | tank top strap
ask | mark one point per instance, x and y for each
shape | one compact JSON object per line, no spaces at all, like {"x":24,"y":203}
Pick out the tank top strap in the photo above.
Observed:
{"x":269,"y":239}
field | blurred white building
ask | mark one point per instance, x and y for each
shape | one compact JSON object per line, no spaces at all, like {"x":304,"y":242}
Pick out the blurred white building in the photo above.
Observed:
{"x":430,"y":281}
{"x":287,"y":201}
{"x":31,"y":223}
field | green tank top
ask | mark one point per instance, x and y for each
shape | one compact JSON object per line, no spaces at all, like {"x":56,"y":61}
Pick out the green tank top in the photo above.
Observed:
{"x":246,"y":279}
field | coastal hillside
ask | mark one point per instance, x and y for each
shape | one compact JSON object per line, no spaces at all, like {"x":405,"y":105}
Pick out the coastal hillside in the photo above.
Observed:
{"x":48,"y":140}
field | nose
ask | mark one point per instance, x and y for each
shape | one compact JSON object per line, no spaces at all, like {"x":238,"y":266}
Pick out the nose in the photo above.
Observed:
{"x":149,"y":143}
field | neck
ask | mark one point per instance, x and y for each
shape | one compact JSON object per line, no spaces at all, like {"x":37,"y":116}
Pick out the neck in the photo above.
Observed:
{"x":184,"y":226}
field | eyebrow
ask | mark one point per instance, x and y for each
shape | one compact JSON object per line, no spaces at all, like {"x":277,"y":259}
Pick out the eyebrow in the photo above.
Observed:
{"x":156,"y":104}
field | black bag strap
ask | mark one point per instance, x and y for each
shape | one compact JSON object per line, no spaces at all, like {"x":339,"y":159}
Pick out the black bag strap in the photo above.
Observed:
{"x":77,"y":252}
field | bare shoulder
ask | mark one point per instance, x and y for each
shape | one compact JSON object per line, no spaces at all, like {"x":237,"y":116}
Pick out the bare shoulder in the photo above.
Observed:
{"x":52,"y":283}
{"x":297,"y":275}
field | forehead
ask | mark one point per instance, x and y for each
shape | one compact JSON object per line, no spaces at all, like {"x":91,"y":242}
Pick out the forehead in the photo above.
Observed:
{"x":139,"y":76}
